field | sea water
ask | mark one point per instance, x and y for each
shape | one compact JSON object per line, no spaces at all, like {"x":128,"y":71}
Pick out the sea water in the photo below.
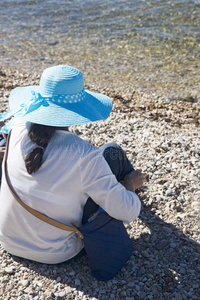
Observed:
{"x":148,"y":44}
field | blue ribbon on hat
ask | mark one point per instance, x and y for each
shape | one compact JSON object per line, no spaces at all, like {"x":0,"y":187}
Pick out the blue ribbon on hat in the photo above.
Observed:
{"x":19,"y":112}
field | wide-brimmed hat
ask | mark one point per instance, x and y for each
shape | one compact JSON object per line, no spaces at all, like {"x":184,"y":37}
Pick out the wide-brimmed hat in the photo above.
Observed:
{"x":59,"y":100}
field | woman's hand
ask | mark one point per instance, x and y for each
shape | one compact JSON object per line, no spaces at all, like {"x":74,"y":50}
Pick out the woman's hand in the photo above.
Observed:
{"x":134,"y":180}
{"x":2,"y":151}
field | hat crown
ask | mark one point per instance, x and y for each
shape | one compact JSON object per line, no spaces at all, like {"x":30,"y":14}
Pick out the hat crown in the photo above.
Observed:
{"x":61,"y":80}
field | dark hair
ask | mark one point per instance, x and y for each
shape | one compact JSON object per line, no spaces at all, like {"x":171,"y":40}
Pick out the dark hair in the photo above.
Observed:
{"x":40,"y":135}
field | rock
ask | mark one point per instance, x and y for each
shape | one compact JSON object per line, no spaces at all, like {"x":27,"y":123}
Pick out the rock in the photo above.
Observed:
{"x":77,"y":282}
{"x":182,"y":271}
{"x":123,"y":294}
{"x":10,"y":270}
{"x":145,"y":253}
{"x":142,"y":294}
{"x":58,"y":279}
{"x":195,"y":205}
{"x":72,"y":273}
{"x":178,"y":296}
{"x":62,"y":294}
{"x":161,"y":244}
{"x":169,"y":192}
{"x":25,"y":283}
{"x":159,"y":198}
{"x":167,"y":229}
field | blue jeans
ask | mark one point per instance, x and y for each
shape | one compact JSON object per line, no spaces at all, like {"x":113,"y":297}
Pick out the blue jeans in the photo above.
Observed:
{"x":119,"y":165}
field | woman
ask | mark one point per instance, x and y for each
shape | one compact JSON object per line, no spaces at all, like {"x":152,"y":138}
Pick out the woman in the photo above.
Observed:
{"x":55,"y":172}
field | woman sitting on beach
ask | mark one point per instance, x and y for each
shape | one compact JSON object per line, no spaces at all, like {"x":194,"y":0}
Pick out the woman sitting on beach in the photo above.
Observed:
{"x":57,"y":173}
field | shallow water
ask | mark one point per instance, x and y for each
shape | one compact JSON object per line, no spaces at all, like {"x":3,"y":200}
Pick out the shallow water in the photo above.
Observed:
{"x":151,"y":45}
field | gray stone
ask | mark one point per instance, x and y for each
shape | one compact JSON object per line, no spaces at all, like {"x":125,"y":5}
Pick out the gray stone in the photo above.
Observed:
{"x":58,"y":279}
{"x":169,"y":192}
{"x":182,"y":271}
{"x":10,"y":270}
{"x":145,"y":253}
{"x":178,"y":296}
{"x":167,"y":229}
{"x":62,"y":294}
{"x":123,"y":294}
{"x":25,"y":283}
{"x":172,"y":245}
{"x":162,"y":244}
{"x":77,"y":282}
{"x":142,"y":294}
{"x":72,"y":273}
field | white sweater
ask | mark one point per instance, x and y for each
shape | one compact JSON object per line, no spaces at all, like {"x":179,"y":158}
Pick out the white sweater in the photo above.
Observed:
{"x":72,"y":170}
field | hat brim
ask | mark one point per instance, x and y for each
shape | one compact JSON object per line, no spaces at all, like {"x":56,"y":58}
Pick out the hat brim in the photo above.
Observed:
{"x":94,"y":107}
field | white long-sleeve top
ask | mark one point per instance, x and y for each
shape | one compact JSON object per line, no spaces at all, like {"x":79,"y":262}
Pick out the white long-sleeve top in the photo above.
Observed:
{"x":72,"y":170}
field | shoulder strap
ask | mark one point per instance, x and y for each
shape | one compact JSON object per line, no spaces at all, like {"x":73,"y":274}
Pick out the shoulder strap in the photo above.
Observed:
{"x":33,"y":211}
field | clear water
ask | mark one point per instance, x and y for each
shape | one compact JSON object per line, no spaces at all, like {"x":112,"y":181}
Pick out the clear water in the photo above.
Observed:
{"x":150,"y":44}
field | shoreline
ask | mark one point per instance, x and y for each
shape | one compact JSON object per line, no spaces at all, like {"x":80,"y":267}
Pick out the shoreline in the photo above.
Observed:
{"x":161,"y":136}
{"x":146,"y":80}
{"x":11,"y":78}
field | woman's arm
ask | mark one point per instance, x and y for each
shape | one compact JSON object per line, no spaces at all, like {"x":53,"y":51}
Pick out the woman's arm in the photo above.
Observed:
{"x":99,"y":183}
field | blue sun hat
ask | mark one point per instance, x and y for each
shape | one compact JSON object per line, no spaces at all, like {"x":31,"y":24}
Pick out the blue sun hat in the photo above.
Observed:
{"x":59,"y":100}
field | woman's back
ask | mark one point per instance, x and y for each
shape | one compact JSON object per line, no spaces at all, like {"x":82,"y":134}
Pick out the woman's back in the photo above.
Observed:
{"x":54,"y":190}
{"x":72,"y":170}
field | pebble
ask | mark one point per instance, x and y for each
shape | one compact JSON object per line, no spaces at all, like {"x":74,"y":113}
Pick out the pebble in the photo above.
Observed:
{"x":195,"y":205}
{"x":62,"y":294}
{"x":167,"y":230}
{"x":10,"y":270}
{"x":25,"y":283}
{"x":77,"y":282}
{"x":161,"y":244}
{"x":58,"y":279}
{"x":145,"y":253}
{"x":182,"y":271}
{"x":169,"y":192}
{"x":72,"y":273}
{"x":142,"y":294}
{"x":123,"y":294}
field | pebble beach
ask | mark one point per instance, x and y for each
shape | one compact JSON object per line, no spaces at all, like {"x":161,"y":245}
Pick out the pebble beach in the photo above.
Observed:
{"x":160,"y":136}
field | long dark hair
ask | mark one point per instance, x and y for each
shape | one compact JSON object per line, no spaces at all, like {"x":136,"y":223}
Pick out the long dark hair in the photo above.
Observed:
{"x":40,"y":135}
